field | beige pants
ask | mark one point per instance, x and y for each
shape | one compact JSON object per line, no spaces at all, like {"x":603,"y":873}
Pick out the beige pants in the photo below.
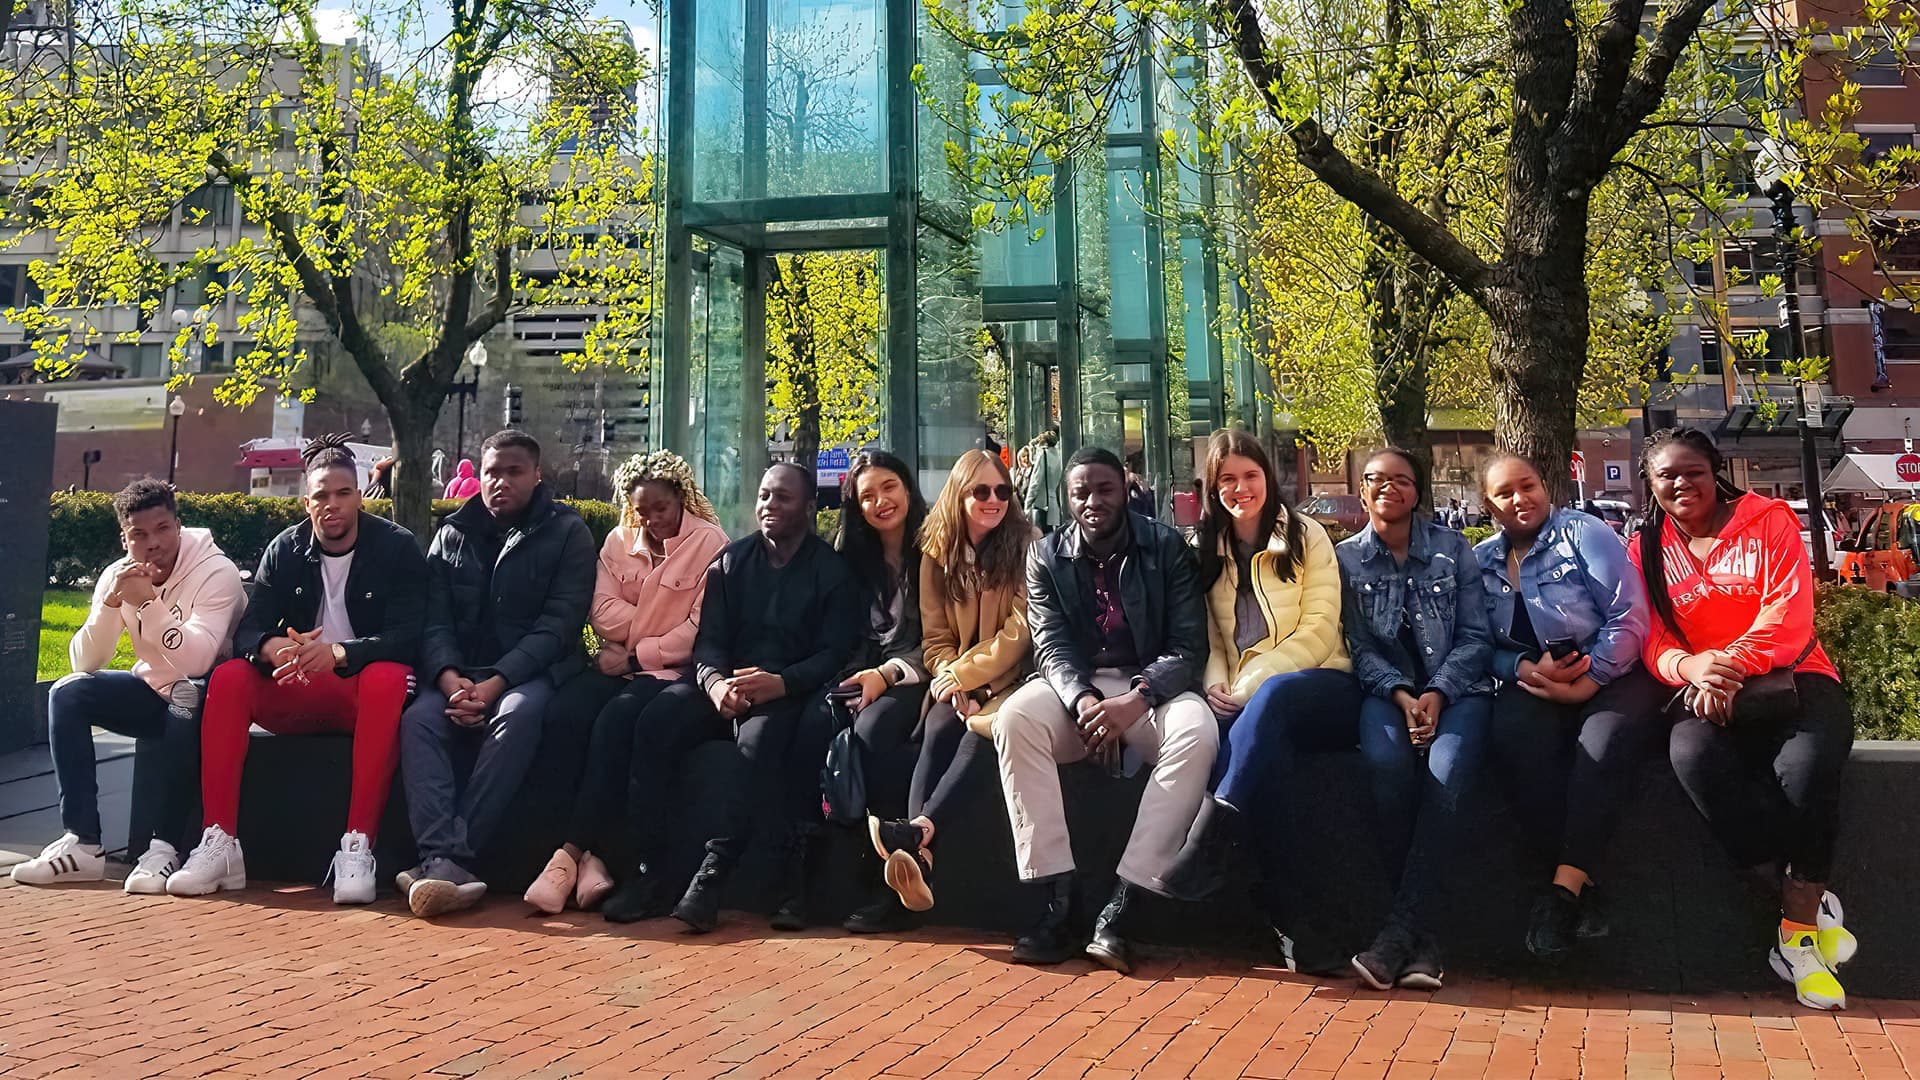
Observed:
{"x":1034,"y":736}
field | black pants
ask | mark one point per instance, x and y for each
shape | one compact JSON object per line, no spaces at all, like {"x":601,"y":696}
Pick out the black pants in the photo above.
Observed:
{"x":1770,"y":790}
{"x":880,"y":732}
{"x":1568,"y":769}
{"x":949,"y":756}
{"x":782,"y":744}
{"x":617,"y":799}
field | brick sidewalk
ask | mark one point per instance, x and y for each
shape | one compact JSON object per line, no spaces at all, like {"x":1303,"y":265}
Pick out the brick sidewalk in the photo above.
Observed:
{"x":284,"y":984}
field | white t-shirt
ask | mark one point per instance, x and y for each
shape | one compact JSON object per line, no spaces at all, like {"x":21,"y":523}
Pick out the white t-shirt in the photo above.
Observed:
{"x":334,"y":623}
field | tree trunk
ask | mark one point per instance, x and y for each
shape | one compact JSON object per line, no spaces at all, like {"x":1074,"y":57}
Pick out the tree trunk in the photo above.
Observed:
{"x":412,"y":477}
{"x":1539,"y":317}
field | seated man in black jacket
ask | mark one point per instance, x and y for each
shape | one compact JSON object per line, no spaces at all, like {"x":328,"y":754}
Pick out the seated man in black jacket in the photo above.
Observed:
{"x":1120,"y":641}
{"x":327,"y":644}
{"x":779,"y":619}
{"x":509,"y":582}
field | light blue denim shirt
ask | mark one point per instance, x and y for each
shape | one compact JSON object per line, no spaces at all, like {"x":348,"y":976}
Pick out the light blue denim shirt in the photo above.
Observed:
{"x":1578,"y":586}
{"x":1439,"y":589}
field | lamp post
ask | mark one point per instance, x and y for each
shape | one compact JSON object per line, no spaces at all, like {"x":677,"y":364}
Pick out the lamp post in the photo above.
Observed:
{"x":1776,"y":171}
{"x":464,"y":389}
{"x":176,"y":408}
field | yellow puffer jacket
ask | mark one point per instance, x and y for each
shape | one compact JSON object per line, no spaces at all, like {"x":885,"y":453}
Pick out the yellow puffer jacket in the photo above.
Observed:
{"x":1303,"y":615}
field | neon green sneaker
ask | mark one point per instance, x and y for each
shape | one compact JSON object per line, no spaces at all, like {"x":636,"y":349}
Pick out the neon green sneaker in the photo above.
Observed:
{"x":1836,"y":943}
{"x":1798,"y":961}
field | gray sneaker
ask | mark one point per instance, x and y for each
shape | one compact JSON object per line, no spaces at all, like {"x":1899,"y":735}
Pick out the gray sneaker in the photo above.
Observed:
{"x":442,"y":887}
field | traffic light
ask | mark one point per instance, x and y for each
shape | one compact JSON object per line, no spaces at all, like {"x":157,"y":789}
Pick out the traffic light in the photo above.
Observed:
{"x":516,"y":413}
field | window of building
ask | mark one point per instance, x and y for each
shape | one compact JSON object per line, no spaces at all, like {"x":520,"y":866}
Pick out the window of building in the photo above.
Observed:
{"x":1880,"y":143}
{"x":1900,"y":334}
{"x":1897,"y":245}
{"x":1878,"y":68}
{"x":210,"y":204}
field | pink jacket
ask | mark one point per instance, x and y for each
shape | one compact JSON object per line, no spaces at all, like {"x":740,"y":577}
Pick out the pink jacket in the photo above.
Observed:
{"x":653,"y":606}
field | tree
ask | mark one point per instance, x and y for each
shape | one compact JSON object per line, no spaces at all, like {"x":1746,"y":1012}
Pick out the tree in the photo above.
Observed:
{"x":386,"y":192}
{"x":1590,"y":90}
{"x":823,"y":339}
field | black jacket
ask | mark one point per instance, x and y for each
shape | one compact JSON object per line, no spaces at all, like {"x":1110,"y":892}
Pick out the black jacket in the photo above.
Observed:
{"x":1159,"y":593}
{"x":386,"y":594}
{"x":509,"y":602}
{"x":801,"y":622}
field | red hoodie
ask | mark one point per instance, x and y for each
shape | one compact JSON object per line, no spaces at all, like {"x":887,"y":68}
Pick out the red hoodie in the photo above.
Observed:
{"x":1752,"y":596}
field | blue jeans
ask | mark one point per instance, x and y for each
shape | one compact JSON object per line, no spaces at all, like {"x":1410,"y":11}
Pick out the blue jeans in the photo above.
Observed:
{"x":1416,"y":801}
{"x":122,"y":703}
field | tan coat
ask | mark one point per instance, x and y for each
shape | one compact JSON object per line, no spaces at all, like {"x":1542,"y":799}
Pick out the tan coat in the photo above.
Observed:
{"x":981,"y":641}
{"x":652,"y":606}
{"x":1303,"y":615}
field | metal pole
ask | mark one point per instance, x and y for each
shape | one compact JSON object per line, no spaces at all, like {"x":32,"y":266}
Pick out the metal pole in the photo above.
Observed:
{"x":1784,"y":248}
{"x":173,"y":451}
{"x":460,"y":429}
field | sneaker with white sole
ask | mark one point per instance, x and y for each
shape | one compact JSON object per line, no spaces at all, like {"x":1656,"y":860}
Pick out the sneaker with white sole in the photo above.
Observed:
{"x":352,"y":871}
{"x":1836,"y":943}
{"x":1797,"y":960}
{"x":216,"y":863}
{"x":63,"y":862}
{"x":150,"y":874}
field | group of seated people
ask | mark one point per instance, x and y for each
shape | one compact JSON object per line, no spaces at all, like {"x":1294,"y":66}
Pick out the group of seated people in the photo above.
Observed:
{"x":1211,"y":664}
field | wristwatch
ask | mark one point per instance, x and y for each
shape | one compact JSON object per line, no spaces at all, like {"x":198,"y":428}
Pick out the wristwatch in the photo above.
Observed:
{"x":339,"y":655}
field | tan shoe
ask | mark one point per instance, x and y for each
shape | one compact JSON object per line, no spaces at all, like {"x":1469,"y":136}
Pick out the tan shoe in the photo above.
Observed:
{"x":594,"y":884}
{"x":550,"y":891}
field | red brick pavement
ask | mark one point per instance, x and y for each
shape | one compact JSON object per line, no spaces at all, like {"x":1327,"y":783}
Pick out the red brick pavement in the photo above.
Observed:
{"x":284,"y":984}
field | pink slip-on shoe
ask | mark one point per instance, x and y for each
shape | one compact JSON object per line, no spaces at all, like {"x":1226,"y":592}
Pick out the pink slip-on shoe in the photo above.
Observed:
{"x":595,"y":882}
{"x":550,"y":891}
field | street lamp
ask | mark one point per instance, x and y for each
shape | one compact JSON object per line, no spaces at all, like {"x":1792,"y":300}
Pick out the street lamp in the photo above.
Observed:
{"x":176,"y":408}
{"x":1777,"y":169}
{"x":196,"y":342}
{"x":464,"y":389}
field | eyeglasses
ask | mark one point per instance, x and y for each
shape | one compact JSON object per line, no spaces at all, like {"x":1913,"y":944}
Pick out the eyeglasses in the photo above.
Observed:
{"x":1380,"y":480}
{"x":982,"y":492}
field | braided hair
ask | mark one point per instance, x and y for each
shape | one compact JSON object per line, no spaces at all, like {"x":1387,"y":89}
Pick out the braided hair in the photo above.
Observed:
{"x":326,"y":452}
{"x":1652,"y":537}
{"x":666,"y":467}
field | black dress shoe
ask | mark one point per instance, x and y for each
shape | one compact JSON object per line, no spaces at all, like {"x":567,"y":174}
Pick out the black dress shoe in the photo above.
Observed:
{"x":1553,"y":923}
{"x":883,"y":916}
{"x":699,"y":908}
{"x":1051,"y":939}
{"x":636,"y":899}
{"x":1210,"y":855}
{"x":1109,"y":945}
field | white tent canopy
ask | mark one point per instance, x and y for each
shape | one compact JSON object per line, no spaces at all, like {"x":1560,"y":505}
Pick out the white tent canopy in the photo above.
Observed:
{"x":1867,"y":473}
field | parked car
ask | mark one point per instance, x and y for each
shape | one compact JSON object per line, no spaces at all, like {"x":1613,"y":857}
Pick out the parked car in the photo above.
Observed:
{"x":1836,"y":531}
{"x":1343,"y":515}
{"x":1612,"y":511}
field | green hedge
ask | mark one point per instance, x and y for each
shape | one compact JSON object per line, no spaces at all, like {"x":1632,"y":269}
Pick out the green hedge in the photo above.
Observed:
{"x":82,"y":535}
{"x":1874,"y":639}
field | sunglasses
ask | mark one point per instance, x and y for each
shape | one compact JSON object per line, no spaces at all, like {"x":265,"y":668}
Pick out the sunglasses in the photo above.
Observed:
{"x":982,"y":492}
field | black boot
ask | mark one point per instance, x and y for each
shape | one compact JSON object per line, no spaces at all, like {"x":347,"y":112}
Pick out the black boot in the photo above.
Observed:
{"x":1109,"y":944}
{"x":1553,"y":923}
{"x":1304,"y":949}
{"x":1208,"y":858}
{"x":639,"y":897}
{"x":1051,"y":939}
{"x":700,"y":907}
{"x":792,"y":912}
{"x":1594,"y":922}
{"x":883,"y":916}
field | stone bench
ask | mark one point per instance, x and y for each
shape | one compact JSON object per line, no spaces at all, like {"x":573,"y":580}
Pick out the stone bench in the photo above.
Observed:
{"x":1681,"y":920}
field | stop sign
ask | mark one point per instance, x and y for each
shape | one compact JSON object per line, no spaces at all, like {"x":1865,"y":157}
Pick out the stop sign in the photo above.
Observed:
{"x":1907,"y":468}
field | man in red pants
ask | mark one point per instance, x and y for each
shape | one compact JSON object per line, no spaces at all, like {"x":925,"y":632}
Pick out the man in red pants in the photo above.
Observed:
{"x":327,"y":644}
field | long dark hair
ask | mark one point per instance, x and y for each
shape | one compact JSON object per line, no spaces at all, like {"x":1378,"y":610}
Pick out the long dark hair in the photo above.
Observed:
{"x":1653,"y":560}
{"x":1216,"y":524}
{"x":860,"y":543}
{"x":1000,"y":562}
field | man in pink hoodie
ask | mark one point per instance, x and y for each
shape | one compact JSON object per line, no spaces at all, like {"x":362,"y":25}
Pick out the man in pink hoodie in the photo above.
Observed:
{"x":177,"y":596}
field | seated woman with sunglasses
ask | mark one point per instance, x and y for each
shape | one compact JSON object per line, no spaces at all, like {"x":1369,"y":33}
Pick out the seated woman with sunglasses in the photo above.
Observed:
{"x":1415,"y":614}
{"x":1277,"y":658}
{"x":1765,"y":730}
{"x":973,"y":619}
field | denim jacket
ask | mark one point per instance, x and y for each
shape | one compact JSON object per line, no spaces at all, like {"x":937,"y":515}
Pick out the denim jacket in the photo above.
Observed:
{"x":1578,"y":585}
{"x":1440,"y":590}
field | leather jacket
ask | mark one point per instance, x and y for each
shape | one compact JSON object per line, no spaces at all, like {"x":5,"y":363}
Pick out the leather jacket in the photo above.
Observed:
{"x":1160,"y":595}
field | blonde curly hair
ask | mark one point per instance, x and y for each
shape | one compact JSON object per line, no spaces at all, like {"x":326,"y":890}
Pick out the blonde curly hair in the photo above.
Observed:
{"x":668,"y":468}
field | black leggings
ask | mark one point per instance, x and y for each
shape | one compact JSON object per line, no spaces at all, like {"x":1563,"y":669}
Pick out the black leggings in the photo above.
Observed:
{"x":1770,"y":790}
{"x":620,"y":797}
{"x":948,"y":751}
{"x":1568,"y":769}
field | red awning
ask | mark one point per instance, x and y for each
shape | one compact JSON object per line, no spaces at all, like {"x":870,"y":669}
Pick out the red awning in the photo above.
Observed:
{"x":271,"y":459}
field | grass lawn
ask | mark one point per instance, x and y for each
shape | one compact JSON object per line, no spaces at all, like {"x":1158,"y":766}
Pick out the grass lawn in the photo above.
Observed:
{"x":61,"y":613}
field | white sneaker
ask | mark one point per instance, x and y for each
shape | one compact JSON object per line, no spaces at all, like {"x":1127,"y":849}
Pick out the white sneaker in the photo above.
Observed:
{"x":352,"y":871}
{"x":1836,"y":943}
{"x":216,"y":863}
{"x":1798,"y":961}
{"x":63,"y":862}
{"x":150,"y":874}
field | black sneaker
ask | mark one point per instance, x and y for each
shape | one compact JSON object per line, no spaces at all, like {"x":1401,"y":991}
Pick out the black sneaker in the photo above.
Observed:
{"x":1552,"y":923}
{"x":1423,"y":969}
{"x":1380,"y":966}
{"x":891,"y":836}
{"x":883,"y":916}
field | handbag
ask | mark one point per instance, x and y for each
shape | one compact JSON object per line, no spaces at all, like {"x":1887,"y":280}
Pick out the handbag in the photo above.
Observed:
{"x":843,"y":782}
{"x":1765,"y":698}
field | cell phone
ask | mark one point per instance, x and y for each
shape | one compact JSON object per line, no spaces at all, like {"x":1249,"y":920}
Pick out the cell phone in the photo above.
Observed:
{"x":844,"y":694}
{"x":1561,"y":648}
